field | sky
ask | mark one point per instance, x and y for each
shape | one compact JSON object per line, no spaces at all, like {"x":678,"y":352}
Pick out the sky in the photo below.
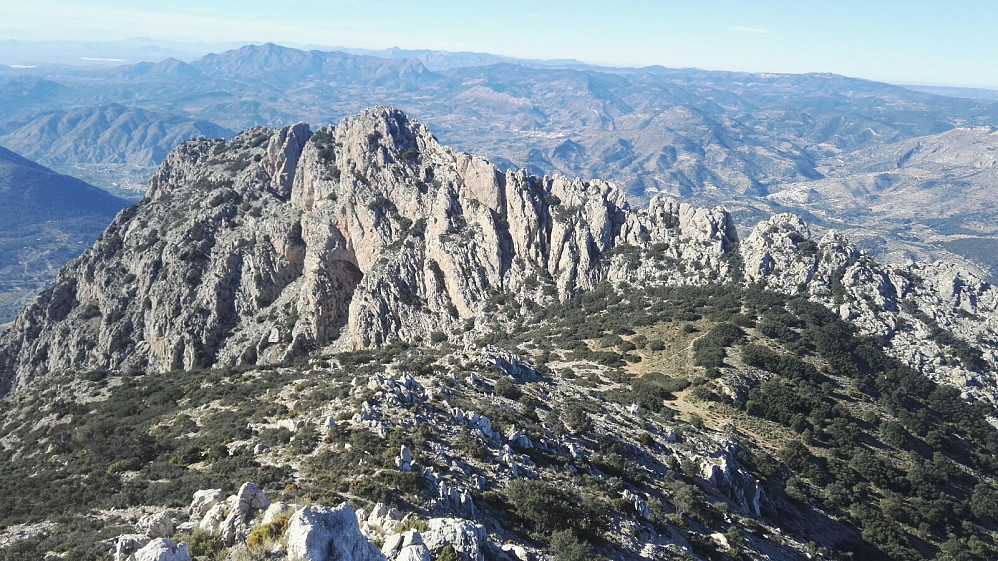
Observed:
{"x":952,"y":43}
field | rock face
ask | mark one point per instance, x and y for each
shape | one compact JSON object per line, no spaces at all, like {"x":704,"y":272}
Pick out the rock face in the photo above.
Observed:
{"x":163,"y":550}
{"x":320,"y":533}
{"x":281,"y":242}
{"x":467,"y":538}
{"x":155,"y":525}
{"x":231,"y":518}
{"x":938,"y":318}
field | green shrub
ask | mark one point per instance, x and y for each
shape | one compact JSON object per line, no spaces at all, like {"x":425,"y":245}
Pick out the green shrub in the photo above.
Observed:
{"x":547,"y":508}
{"x":265,"y":534}
{"x":200,"y":544}
{"x":505,"y":387}
{"x":447,"y":553}
{"x":567,"y":547}
{"x":577,"y":419}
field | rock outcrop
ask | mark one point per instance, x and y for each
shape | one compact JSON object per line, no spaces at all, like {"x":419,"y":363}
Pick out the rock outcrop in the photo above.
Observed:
{"x":281,"y":242}
{"x":284,"y":242}
{"x":155,"y":525}
{"x":938,"y":318}
{"x":320,"y":533}
{"x":163,"y":550}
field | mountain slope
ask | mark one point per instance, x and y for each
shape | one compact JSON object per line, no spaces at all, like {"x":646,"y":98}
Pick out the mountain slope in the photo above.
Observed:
{"x":46,"y":219}
{"x":645,"y":422}
{"x":361,"y":315}
{"x":280,"y":243}
{"x":113,"y":134}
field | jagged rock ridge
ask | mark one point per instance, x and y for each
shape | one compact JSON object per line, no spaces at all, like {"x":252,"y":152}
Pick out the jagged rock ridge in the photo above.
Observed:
{"x":938,"y":318}
{"x":281,"y":242}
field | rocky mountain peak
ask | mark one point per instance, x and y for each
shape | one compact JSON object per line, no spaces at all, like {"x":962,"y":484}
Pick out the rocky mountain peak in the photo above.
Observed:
{"x":938,"y":317}
{"x":283,"y":241}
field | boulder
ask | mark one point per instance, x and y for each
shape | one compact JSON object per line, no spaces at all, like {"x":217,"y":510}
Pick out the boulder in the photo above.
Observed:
{"x":204,"y":500}
{"x":252,"y":496}
{"x":404,"y":461}
{"x":163,"y":550}
{"x":465,"y":536}
{"x":321,"y":533}
{"x":407,"y":546}
{"x":213,"y":518}
{"x":128,"y":544}
{"x":156,"y":525}
{"x":275,"y":510}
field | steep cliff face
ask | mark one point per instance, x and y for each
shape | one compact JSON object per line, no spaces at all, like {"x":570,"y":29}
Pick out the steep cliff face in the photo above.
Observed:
{"x":937,"y":318}
{"x":283,"y":242}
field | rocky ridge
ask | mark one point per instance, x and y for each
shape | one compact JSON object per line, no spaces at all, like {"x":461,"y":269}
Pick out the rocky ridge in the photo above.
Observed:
{"x":937,"y":317}
{"x":280,"y":243}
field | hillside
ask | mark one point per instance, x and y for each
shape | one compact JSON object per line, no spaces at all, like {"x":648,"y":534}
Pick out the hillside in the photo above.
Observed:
{"x":672,"y":422}
{"x":280,"y":243}
{"x":751,"y":142}
{"x":93,"y":142}
{"x":295,"y":326}
{"x":46,"y":219}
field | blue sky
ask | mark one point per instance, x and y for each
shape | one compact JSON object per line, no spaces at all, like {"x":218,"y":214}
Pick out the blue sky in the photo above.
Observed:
{"x":913,"y":41}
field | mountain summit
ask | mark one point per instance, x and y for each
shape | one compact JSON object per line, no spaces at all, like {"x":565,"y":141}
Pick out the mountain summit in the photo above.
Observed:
{"x":283,"y":242}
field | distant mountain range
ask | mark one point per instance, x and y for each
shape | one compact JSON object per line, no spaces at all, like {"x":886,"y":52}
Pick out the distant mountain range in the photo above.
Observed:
{"x":46,"y":219}
{"x":753,"y":142}
{"x":113,"y":133}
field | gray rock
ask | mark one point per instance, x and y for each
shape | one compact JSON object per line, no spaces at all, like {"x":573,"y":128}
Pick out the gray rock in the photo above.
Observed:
{"x":127,"y":544}
{"x":277,"y":509}
{"x":212,"y":520}
{"x":204,"y":500}
{"x":251,"y":495}
{"x":407,"y":546}
{"x":155,"y":525}
{"x":320,"y":534}
{"x":466,"y":537}
{"x":404,"y":461}
{"x":163,"y":550}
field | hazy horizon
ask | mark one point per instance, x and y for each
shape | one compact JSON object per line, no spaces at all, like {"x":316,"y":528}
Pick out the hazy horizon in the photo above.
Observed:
{"x":911,"y":42}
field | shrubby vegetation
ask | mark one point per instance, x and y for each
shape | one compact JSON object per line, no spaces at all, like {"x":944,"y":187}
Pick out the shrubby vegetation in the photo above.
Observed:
{"x":868,"y":440}
{"x":902,"y":467}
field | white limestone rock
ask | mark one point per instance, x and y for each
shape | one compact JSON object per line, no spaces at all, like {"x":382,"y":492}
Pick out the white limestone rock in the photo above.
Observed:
{"x":320,"y":534}
{"x":163,"y":550}
{"x":127,"y":544}
{"x":277,"y":509}
{"x":203,"y":501}
{"x":157,"y":525}
{"x":407,"y":546}
{"x":465,"y":536}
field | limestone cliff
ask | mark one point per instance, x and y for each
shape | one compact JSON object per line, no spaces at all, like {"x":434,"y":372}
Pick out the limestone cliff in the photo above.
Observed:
{"x":282,"y":242}
{"x":938,"y":318}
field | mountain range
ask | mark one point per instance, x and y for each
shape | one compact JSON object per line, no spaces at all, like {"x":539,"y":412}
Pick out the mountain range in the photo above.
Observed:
{"x":355,"y":339}
{"x":46,"y":219}
{"x":752,"y":142}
